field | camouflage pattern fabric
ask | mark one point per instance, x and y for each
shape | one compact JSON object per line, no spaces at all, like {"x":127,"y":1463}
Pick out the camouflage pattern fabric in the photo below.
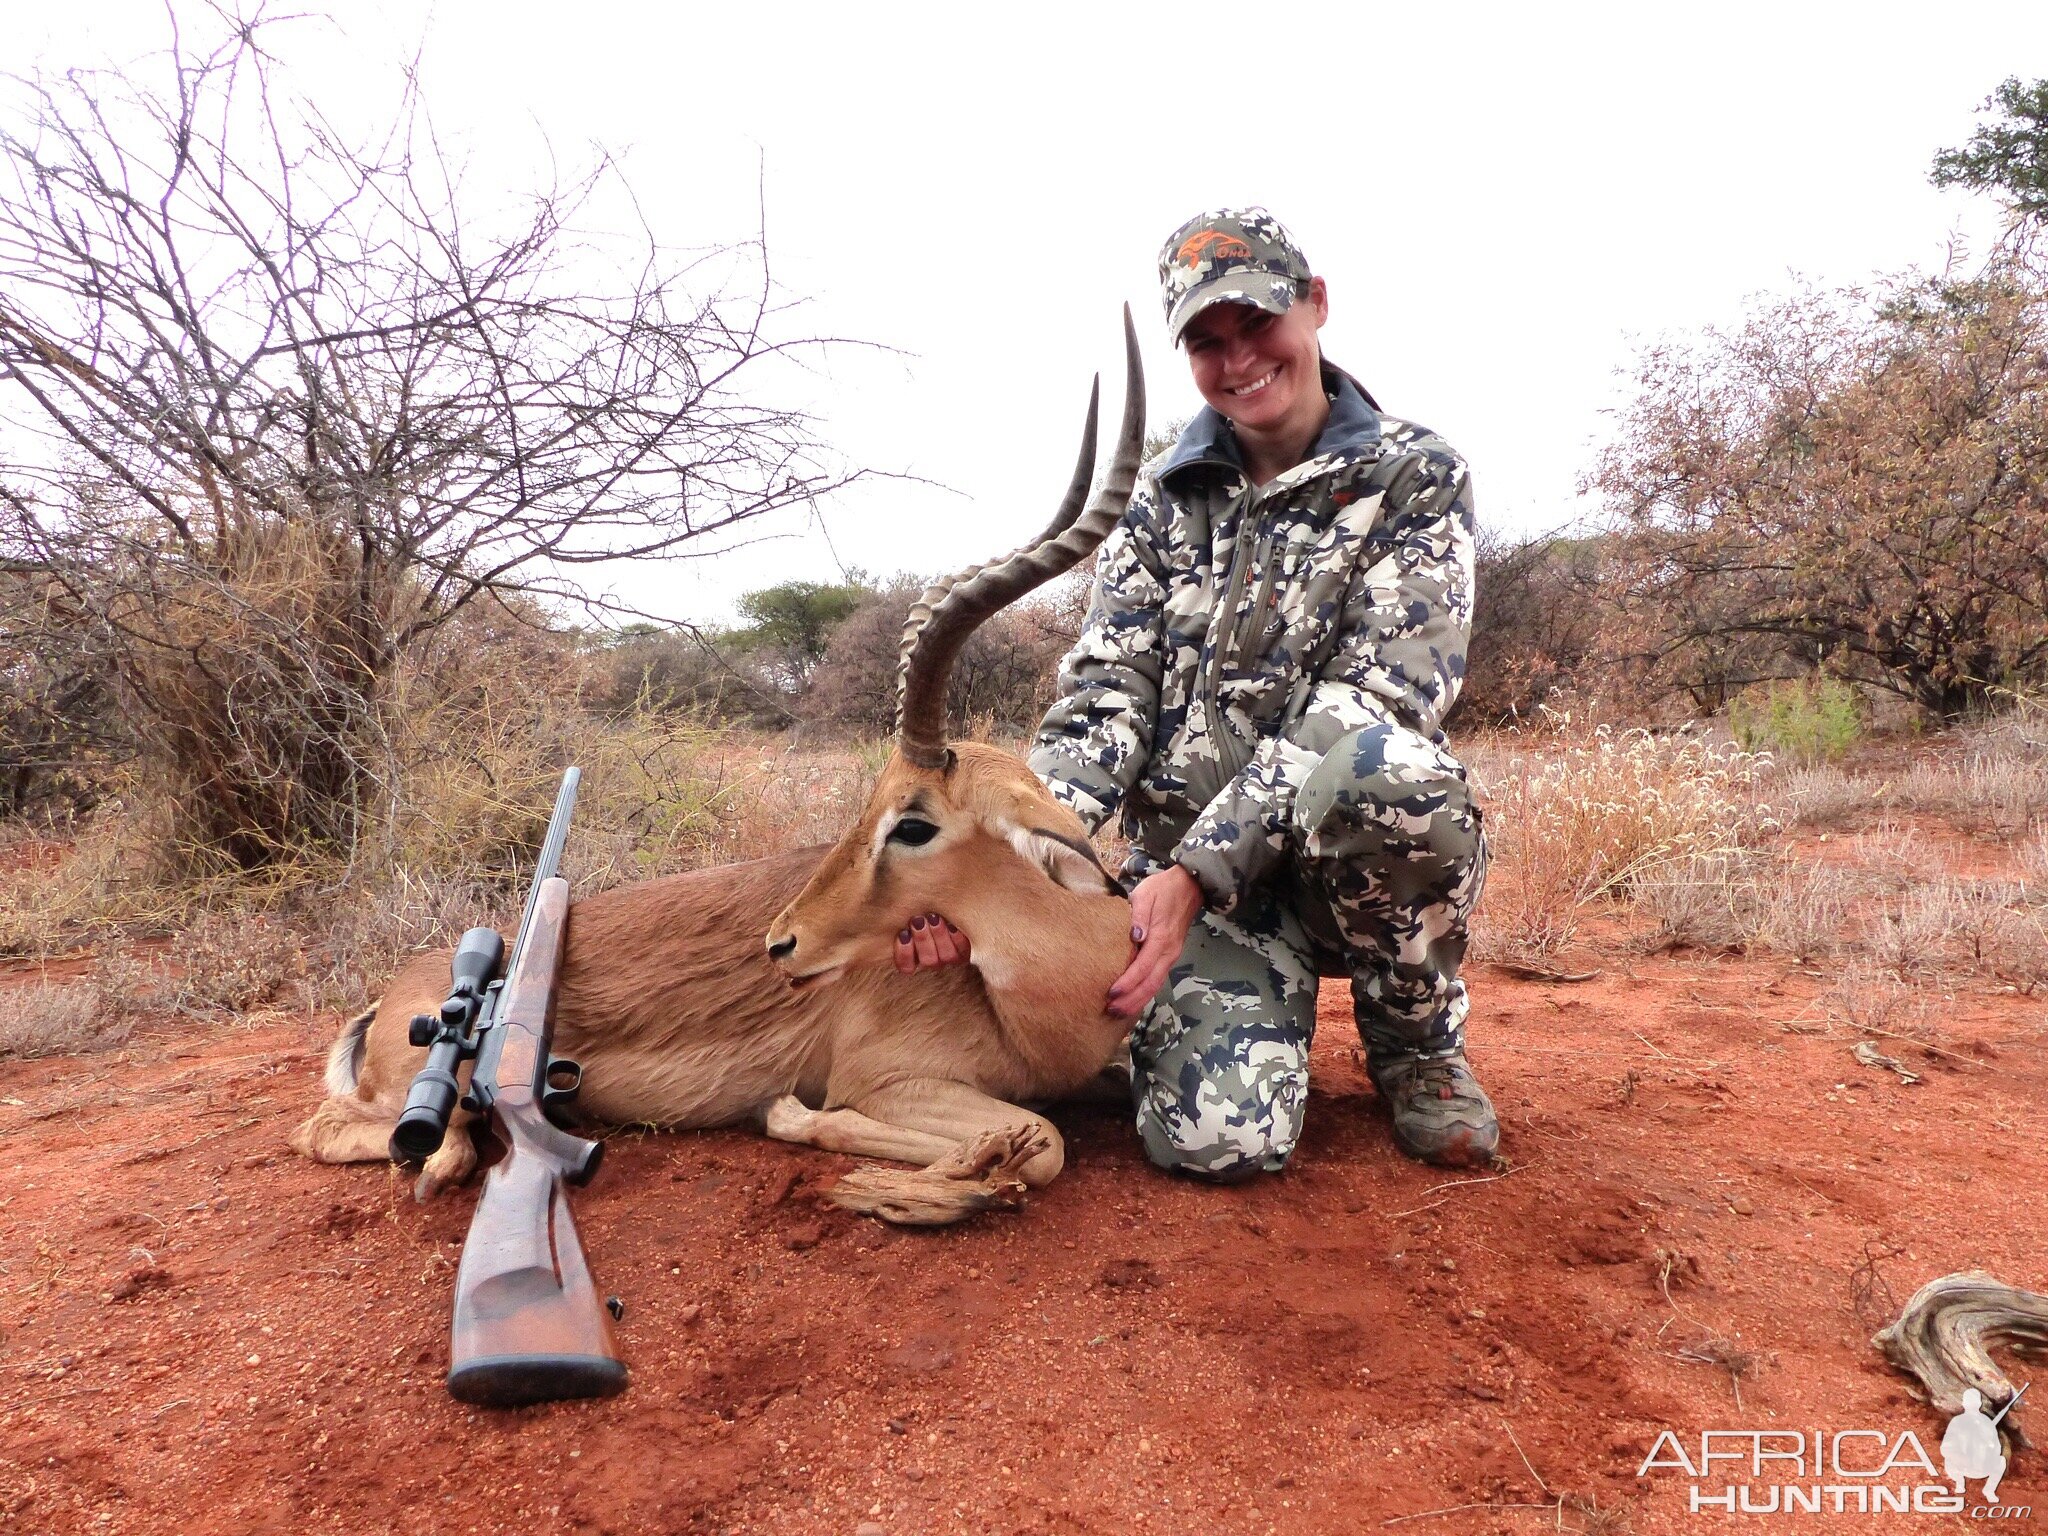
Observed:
{"x":1235,"y":634}
{"x":1386,"y":860}
{"x":1260,"y":688}
{"x":1230,"y":255}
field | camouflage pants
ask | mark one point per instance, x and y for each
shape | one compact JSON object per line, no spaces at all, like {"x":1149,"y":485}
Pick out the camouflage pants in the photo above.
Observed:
{"x":1386,"y":859}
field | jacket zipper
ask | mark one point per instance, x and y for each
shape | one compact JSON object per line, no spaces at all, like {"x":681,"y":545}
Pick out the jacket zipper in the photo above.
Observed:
{"x":1255,"y":618}
{"x":1233,"y":588}
{"x":1239,"y":627}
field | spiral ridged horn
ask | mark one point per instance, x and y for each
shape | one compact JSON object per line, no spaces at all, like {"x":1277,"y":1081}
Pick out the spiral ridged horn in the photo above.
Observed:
{"x":952,"y":609}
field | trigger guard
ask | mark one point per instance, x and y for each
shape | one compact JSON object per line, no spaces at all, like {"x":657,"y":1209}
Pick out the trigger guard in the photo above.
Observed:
{"x":550,"y":1094}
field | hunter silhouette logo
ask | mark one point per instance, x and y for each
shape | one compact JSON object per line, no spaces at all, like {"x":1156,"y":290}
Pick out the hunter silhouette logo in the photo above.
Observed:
{"x":1211,"y":245}
{"x":1970,"y":1447}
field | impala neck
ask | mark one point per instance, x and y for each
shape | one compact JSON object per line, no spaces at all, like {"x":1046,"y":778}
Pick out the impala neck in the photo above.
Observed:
{"x":1047,"y":956}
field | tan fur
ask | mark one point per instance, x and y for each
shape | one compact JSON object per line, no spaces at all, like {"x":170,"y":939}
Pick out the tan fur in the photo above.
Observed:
{"x":670,"y":1001}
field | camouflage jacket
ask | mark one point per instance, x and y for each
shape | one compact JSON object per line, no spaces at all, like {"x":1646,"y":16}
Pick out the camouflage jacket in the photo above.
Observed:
{"x":1235,"y":633}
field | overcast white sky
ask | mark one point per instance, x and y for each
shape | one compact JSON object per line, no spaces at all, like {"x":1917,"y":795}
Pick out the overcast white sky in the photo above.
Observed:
{"x":1506,"y":199}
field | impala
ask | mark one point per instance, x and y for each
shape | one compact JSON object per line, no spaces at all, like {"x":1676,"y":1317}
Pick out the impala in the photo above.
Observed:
{"x":682,"y":1016}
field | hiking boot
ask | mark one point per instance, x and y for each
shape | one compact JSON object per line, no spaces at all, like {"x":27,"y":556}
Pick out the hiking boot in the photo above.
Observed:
{"x":1441,"y":1114}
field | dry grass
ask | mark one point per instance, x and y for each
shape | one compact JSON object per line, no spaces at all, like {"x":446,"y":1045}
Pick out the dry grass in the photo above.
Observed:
{"x":1881,"y":1002}
{"x":1993,"y":776}
{"x":1944,"y":925}
{"x":1822,"y":795}
{"x":653,"y":802}
{"x":65,"y":1018}
{"x":107,"y":884}
{"x":1805,"y":909}
{"x":233,"y":962}
{"x":1675,"y":831}
{"x":371,"y":933}
{"x":1921,"y":928}
{"x":1892,"y":855}
{"x":1743,"y":899}
{"x":454,"y":847}
{"x":1578,"y":813}
{"x":1710,"y":901}
{"x":2032,"y":860}
{"x":1989,"y":777}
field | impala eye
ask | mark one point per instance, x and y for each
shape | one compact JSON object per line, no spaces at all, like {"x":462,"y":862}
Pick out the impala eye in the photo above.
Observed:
{"x":913,"y":832}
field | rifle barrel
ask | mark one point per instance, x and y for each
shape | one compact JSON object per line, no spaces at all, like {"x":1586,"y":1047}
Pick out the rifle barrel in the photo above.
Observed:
{"x":2011,"y":1403}
{"x":550,"y":854}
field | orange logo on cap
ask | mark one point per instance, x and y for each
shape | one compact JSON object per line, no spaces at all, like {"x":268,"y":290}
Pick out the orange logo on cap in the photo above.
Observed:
{"x":1212,"y":244}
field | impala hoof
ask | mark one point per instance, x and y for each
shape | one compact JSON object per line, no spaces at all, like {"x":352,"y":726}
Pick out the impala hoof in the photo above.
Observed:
{"x":979,"y":1175}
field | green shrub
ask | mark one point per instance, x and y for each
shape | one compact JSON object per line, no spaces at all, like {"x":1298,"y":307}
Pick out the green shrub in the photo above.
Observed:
{"x":1806,"y":720}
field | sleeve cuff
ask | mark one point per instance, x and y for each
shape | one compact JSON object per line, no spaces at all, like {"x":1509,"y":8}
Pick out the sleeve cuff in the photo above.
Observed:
{"x":1214,"y":872}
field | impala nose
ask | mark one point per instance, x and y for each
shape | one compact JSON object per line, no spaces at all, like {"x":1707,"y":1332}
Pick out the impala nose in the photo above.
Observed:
{"x":782,"y":949}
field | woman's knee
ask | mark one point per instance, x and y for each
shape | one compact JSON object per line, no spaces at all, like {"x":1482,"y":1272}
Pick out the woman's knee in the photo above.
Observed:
{"x":1205,"y":1157}
{"x":1228,"y":1118}
{"x":1386,"y":785}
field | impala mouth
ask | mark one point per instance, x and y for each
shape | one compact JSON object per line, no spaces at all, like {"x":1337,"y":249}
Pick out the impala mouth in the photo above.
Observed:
{"x":1256,"y":384}
{"x":798,"y":983}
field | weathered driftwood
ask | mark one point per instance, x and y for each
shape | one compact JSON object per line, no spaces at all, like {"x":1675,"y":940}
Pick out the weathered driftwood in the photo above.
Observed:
{"x":1943,"y":1338}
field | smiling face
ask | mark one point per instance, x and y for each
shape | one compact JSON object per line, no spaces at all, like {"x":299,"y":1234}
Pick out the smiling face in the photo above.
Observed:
{"x":1262,"y":371}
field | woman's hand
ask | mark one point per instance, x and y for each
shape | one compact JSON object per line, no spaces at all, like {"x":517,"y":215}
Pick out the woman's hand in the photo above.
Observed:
{"x":1163,"y":907}
{"x":929,"y":940}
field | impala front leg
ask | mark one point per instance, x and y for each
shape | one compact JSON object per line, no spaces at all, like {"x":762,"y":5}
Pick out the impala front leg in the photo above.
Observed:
{"x":848,"y":1130}
{"x":962,"y":1114}
{"x":995,"y":1151}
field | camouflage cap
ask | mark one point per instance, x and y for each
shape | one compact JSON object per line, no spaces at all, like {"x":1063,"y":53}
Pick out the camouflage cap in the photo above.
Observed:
{"x":1229,"y":256}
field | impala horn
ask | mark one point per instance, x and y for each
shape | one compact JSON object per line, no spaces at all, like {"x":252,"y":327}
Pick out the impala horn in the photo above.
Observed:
{"x":952,"y":609}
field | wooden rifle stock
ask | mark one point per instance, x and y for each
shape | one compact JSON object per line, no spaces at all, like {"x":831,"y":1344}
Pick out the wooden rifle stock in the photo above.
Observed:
{"x":529,"y":1325}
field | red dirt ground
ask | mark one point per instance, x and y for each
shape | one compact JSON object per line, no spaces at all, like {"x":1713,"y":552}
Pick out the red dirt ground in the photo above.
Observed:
{"x":199,"y":1332}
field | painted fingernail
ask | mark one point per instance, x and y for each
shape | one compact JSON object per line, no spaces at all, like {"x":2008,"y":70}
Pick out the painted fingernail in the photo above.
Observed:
{"x":1137,"y":933}
{"x":917,"y":922}
{"x":903,"y":937}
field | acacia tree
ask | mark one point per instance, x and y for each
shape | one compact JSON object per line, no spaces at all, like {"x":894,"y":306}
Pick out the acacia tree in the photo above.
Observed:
{"x":1535,"y":624}
{"x":274,"y":405}
{"x":2007,"y":157}
{"x":790,"y":624}
{"x":1860,"y":480}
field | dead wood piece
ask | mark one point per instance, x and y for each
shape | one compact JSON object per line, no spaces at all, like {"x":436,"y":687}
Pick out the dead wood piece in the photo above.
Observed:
{"x":1870,"y":1056}
{"x":979,"y":1175}
{"x":1527,"y":972}
{"x":1943,"y":1337}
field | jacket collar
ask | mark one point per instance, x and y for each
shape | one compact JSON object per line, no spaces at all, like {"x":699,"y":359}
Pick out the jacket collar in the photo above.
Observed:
{"x":1352,"y":432}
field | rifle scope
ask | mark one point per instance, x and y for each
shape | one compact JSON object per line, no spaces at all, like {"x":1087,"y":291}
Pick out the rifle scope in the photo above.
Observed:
{"x":450,"y":1040}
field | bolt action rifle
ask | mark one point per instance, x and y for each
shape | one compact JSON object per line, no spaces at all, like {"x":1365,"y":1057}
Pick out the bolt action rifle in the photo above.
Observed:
{"x":529,"y":1326}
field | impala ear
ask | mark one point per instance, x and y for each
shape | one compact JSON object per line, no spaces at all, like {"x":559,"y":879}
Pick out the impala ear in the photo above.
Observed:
{"x":1067,"y":861}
